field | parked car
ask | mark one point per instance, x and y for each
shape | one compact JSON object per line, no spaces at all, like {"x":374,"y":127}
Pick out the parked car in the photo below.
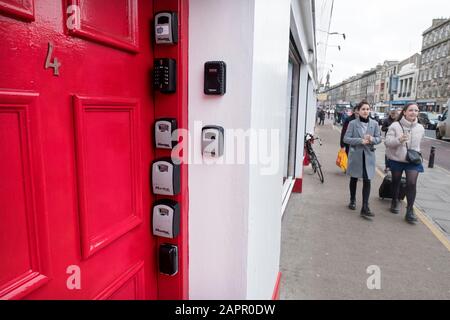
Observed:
{"x":443,"y":126}
{"x":428,"y":119}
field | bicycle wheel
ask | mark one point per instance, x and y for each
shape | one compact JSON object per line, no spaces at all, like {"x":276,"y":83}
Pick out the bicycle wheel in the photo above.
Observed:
{"x":319,"y":171}
{"x":317,"y":168}
{"x":313,"y":160}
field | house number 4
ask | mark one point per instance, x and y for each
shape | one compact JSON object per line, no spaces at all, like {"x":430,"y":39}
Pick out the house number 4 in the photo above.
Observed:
{"x":55,"y":64}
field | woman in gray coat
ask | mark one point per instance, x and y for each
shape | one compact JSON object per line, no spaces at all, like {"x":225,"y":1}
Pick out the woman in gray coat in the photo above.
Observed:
{"x":362,"y":134}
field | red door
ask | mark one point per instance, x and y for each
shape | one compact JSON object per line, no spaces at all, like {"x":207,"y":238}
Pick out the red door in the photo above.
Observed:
{"x":75,"y":150}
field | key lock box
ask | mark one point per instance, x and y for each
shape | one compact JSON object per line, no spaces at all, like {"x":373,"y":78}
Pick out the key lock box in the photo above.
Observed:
{"x":164,"y":75}
{"x":166,"y":27}
{"x":215,"y":78}
{"x":164,"y":133}
{"x":166,"y":218}
{"x":168,"y":259}
{"x":165,"y":177}
{"x":212,"y":141}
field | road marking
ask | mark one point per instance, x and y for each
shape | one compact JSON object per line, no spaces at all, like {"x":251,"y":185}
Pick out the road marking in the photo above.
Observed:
{"x":424,"y":219}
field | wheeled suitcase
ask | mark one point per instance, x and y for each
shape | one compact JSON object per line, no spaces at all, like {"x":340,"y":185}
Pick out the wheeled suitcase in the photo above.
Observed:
{"x":386,"y":191}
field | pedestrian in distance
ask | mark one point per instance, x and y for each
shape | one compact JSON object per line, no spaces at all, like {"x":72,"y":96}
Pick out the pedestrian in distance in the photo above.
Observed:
{"x":322,"y":117}
{"x":406,"y":133}
{"x":362,"y":134}
{"x":345,"y":127}
{"x":393,"y":115}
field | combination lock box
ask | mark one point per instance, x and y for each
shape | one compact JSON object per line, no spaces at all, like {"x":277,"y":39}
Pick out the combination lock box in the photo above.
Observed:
{"x":166,"y":28}
{"x":215,"y":78}
{"x":166,"y":218}
{"x":164,"y":75}
{"x":212,"y":141}
{"x":165,"y":177}
{"x":164,"y":133}
{"x":168,"y":259}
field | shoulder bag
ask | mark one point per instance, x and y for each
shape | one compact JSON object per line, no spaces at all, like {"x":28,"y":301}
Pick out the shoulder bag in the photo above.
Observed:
{"x":412,"y":156}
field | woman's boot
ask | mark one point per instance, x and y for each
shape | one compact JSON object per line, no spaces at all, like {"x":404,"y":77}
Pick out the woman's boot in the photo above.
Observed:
{"x":410,"y":216}
{"x":395,"y":206}
{"x":365,"y":211}
{"x":352,"y":204}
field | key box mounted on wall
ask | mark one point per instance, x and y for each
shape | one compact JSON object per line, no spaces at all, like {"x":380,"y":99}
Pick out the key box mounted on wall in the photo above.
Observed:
{"x":165,"y":75}
{"x":215,"y":78}
{"x":164,"y":133}
{"x":166,"y":27}
{"x":213,"y":141}
{"x":166,"y":218}
{"x":165,"y":177}
{"x":168,"y":259}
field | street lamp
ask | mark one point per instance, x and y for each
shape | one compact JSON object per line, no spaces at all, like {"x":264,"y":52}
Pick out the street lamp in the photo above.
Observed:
{"x":339,"y":47}
{"x":343,"y":34}
{"x":332,"y":33}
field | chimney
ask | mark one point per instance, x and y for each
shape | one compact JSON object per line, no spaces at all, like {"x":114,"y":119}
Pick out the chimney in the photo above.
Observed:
{"x":437,"y":21}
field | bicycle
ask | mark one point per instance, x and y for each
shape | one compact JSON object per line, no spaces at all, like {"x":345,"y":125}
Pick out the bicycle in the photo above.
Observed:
{"x":311,"y":155}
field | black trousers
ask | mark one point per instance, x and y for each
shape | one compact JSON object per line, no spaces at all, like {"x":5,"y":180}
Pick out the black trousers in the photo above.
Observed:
{"x":366,"y":185}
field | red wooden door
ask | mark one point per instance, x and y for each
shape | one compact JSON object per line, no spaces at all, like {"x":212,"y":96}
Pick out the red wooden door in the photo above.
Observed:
{"x":75,"y":150}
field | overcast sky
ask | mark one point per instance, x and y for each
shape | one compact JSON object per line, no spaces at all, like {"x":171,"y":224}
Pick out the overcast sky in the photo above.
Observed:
{"x":376,"y":30}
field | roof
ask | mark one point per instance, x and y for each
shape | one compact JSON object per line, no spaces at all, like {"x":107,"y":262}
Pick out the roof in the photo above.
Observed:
{"x":436,"y":24}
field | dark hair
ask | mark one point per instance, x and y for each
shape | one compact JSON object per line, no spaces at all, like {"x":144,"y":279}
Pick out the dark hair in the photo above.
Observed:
{"x":363,"y":102}
{"x":406,"y":108}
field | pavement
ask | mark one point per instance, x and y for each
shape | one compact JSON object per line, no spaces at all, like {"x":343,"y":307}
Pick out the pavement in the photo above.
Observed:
{"x":330,"y":252}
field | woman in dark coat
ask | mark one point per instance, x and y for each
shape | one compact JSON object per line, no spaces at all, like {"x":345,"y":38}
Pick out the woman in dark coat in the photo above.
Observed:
{"x":345,"y":126}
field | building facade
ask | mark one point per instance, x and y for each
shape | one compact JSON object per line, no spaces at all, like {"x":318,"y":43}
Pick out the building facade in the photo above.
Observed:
{"x":407,"y":83}
{"x":433,"y":90}
{"x":408,"y":72}
{"x":368,"y":81}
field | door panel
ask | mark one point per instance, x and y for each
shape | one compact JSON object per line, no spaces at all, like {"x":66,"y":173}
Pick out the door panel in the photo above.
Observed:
{"x":107,"y":148}
{"x":75,"y":152}
{"x":130,"y":286}
{"x":20,"y":9}
{"x":22,"y":214}
{"x":94,"y":22}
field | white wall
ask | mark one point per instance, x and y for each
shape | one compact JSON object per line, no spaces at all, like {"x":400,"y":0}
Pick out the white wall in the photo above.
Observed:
{"x":234,"y":210}
{"x":219,"y":194}
{"x":269,"y":103}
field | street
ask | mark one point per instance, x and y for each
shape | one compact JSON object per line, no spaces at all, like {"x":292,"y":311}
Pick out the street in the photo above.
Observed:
{"x":442,"y":153}
{"x":430,"y":133}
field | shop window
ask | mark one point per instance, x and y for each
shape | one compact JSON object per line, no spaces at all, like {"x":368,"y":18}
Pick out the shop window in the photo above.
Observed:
{"x":290,"y":127}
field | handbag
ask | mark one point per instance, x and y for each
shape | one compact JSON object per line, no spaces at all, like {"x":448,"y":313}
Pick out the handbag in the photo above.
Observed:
{"x":341,"y":160}
{"x":412,"y":156}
